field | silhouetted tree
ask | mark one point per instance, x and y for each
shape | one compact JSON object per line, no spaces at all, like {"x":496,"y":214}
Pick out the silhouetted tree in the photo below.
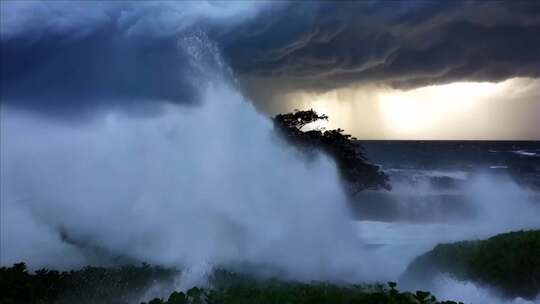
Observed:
{"x":355,"y":170}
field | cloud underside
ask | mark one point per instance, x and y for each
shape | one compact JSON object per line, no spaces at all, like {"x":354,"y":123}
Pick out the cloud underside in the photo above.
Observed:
{"x":127,"y":54}
{"x":407,"y":44}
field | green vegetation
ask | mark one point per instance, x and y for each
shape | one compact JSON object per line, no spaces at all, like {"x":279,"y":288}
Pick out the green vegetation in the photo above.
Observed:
{"x":89,"y":285}
{"x":124,"y":285}
{"x":509,"y":262}
{"x":314,"y":293}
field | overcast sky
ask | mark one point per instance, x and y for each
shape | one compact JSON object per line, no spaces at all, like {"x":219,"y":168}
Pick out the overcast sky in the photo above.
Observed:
{"x":381,"y":69}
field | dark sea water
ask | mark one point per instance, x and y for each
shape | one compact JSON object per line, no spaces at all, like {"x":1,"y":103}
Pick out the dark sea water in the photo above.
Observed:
{"x":521,"y":158}
{"x":431,"y":178}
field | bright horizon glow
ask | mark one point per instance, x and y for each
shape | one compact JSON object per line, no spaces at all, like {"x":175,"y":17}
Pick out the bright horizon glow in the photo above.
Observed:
{"x":506,"y":110}
{"x":425,"y":108}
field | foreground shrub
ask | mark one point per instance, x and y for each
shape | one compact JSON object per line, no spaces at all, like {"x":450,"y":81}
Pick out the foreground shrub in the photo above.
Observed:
{"x":299,"y":293}
{"x":123,"y":285}
{"x":88,"y":285}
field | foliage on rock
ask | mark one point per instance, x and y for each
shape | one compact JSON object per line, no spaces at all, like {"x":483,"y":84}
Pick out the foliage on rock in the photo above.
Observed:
{"x":510,"y":262}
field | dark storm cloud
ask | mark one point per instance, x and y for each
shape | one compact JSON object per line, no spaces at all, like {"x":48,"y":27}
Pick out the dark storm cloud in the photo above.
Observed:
{"x":100,"y":69}
{"x":71,"y":56}
{"x":409,"y":43}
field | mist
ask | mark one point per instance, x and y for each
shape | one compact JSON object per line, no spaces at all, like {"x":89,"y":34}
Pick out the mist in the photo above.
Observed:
{"x":205,"y":184}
